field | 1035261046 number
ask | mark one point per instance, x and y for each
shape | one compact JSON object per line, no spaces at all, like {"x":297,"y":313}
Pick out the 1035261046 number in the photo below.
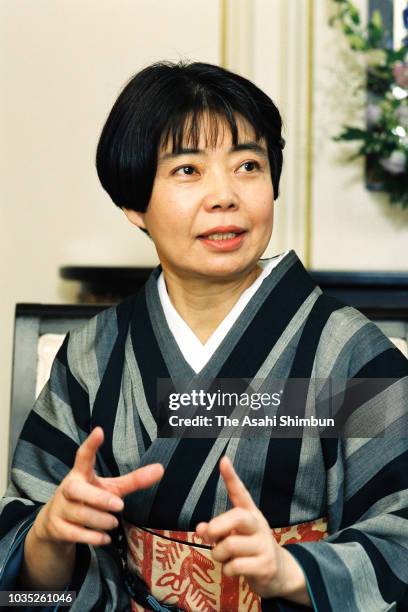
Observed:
{"x":36,"y":598}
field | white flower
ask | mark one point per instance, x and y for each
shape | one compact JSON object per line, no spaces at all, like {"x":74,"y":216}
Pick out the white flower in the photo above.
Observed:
{"x":373,"y":114}
{"x":395,"y":163}
{"x":376,"y":57}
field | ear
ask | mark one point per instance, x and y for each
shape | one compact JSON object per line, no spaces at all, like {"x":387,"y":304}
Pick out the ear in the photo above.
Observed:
{"x":136,"y":217}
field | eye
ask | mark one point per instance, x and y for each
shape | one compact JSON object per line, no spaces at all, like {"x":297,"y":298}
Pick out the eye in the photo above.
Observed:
{"x":250,"y":166}
{"x":184,"y":170}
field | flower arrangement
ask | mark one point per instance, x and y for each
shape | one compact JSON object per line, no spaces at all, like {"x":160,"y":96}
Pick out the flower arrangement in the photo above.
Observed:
{"x":385,"y":138}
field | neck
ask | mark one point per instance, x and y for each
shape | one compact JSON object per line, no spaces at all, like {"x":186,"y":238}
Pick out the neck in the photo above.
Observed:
{"x":203,"y":304}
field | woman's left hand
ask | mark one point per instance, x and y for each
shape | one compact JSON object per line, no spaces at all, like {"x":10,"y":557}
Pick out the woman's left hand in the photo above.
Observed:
{"x":242,"y":540}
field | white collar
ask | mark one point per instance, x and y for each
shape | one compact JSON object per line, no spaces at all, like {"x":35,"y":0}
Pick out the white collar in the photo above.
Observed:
{"x":195,"y":353}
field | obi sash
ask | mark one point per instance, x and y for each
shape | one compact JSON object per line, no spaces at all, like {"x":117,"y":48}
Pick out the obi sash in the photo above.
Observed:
{"x":178,"y":568}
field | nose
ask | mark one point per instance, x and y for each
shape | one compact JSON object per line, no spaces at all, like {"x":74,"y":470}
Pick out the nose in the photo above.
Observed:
{"x":222,"y":205}
{"x":220,"y":196}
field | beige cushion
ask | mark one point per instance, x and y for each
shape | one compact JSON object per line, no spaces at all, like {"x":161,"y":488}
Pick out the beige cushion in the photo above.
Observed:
{"x":48,"y":346}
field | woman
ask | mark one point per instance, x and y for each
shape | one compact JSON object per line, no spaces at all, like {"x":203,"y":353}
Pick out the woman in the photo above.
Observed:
{"x":107,"y":497}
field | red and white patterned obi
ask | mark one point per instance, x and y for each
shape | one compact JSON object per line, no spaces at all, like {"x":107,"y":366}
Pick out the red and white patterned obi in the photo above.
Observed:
{"x":178,"y":569}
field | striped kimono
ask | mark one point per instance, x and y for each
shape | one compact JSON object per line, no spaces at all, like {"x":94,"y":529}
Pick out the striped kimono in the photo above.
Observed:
{"x":339,"y":504}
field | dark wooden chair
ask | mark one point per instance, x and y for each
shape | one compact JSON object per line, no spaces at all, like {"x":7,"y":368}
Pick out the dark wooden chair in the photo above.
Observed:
{"x":33,"y":322}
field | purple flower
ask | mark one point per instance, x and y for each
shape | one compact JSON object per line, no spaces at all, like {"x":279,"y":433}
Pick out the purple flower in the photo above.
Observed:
{"x":400,"y":72}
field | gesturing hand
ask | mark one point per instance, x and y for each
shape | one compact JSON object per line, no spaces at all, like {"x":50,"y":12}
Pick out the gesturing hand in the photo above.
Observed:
{"x":80,"y":509}
{"x":242,"y":540}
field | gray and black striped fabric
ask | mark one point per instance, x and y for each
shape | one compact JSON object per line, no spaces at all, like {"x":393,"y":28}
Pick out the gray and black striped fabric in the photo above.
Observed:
{"x":106,"y":374}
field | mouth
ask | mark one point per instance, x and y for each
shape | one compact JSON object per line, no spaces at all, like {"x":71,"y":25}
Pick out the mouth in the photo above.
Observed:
{"x":222,"y":236}
{"x":222,"y":233}
{"x":223,"y":239}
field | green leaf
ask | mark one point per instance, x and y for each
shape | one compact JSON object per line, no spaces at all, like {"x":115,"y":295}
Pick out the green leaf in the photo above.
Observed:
{"x":351,"y":133}
{"x":376,"y":20}
{"x":398,"y":55}
{"x":355,"y":15}
{"x":357,"y":42}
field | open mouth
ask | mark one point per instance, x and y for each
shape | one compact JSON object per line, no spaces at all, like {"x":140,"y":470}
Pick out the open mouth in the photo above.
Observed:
{"x":222,"y":235}
{"x":226,"y":232}
{"x":224,"y":241}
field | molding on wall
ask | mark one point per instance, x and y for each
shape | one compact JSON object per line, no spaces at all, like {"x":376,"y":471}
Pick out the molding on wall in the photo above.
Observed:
{"x":309,"y":138}
{"x":271,"y":43}
{"x":239,"y":36}
{"x":296,"y":39}
{"x":223,"y":33}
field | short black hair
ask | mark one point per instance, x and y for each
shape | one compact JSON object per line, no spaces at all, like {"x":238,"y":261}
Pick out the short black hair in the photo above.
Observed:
{"x":168,"y":100}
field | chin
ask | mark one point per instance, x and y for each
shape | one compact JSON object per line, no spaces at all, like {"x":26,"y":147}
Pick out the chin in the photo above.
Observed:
{"x":227,"y":269}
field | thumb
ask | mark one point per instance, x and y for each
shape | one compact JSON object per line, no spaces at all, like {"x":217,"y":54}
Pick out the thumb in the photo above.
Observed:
{"x":141,"y":478}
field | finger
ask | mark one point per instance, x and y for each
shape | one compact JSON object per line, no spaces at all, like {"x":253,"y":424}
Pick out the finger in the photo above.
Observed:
{"x":86,"y":453}
{"x":142,"y":478}
{"x":84,"y":516}
{"x":238,"y":493}
{"x":69,"y":532}
{"x":250,"y":567}
{"x":202,"y":531}
{"x":238,"y":520}
{"x":236,"y":546}
{"x":80,"y":491}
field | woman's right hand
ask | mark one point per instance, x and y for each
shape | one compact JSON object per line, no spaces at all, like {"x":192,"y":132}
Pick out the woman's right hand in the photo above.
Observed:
{"x":81,"y":509}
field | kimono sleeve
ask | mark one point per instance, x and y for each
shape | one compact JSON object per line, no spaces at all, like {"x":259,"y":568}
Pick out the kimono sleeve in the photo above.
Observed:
{"x":363,"y":563}
{"x":45,"y":453}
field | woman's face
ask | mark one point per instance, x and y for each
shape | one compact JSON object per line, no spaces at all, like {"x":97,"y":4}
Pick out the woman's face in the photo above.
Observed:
{"x":211,"y":210}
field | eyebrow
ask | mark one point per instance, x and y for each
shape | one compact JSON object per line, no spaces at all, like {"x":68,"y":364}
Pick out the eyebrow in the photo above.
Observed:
{"x":244,"y":146}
